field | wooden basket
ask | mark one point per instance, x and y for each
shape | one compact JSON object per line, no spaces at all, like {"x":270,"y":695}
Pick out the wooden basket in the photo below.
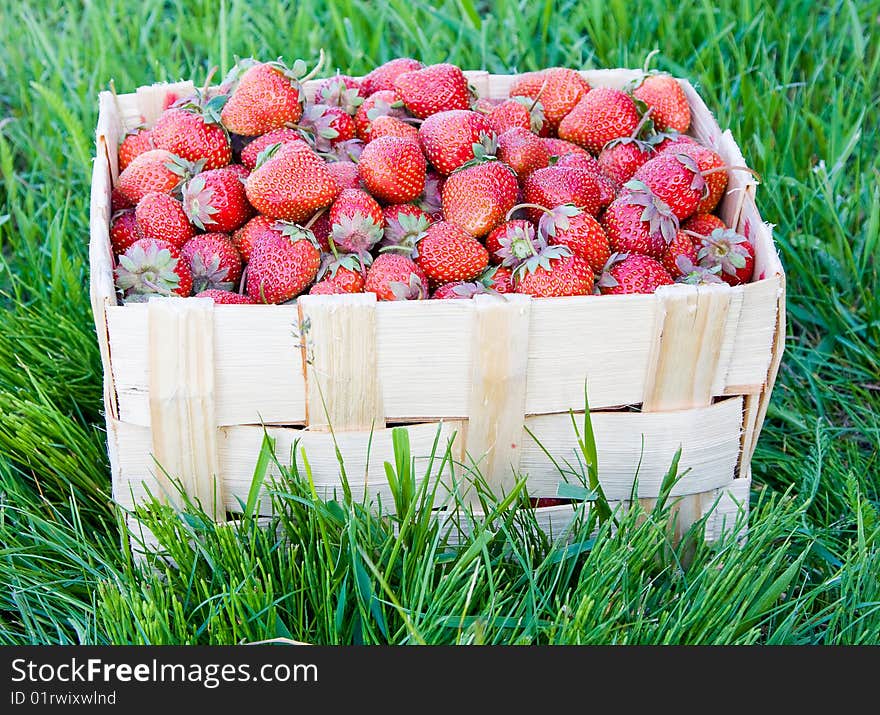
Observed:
{"x":190,"y":385}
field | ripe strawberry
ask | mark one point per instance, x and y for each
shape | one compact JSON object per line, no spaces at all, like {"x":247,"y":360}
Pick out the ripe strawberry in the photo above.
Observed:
{"x":449,"y":138}
{"x":675,"y":179}
{"x":633,"y":273}
{"x":560,"y":147}
{"x":527,"y":84}
{"x":193,"y":132}
{"x":437,"y":88}
{"x":381,"y":104}
{"x":213,"y":261}
{"x":388,"y":126}
{"x":346,"y":174}
{"x":692,"y":274}
{"x":569,"y":226}
{"x":557,"y":185}
{"x":347,"y":271}
{"x":319,"y":225}
{"x":325,"y":126}
{"x":621,"y":159}
{"x":162,"y":217}
{"x":152,"y":267}
{"x":245,"y":237}
{"x":240,"y":170}
{"x":702,"y":224}
{"x":636,"y":222}
{"x":124,"y":230}
{"x":382,"y":78}
{"x":522,"y":151}
{"x":681,"y":245}
{"x":225,"y":297}
{"x":327,"y":287}
{"x":732,"y":251}
{"x":118,"y":201}
{"x":560,"y":90}
{"x":512,"y":241}
{"x":603,"y":115}
{"x":340,"y":91}
{"x":216,"y":200}
{"x":405,"y":226}
{"x":266,"y":96}
{"x":461,"y":290}
{"x":706,"y":160}
{"x":449,"y":253}
{"x":517,"y":112}
{"x":396,"y":277}
{"x":499,"y":279}
{"x":136,"y":142}
{"x":393,"y":169}
{"x":154,"y":170}
{"x":284,"y":135}
{"x":554,"y":272}
{"x":356,"y":222}
{"x":666,"y":100}
{"x":478,"y":197}
{"x":588,"y":163}
{"x":292,"y":183}
{"x":667,"y":140}
{"x":283,"y":264}
{"x":485,"y":105}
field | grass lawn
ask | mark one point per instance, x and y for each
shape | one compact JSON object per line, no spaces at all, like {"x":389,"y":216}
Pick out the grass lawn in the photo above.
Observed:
{"x":798,"y":84}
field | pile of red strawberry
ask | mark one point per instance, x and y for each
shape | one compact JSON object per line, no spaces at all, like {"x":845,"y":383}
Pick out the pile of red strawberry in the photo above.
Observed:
{"x":404,"y":184}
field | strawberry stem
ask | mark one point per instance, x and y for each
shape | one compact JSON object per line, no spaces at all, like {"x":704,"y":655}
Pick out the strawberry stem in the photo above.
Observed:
{"x":208,"y":79}
{"x":317,"y":67}
{"x":527,"y":206}
{"x":314,"y":218}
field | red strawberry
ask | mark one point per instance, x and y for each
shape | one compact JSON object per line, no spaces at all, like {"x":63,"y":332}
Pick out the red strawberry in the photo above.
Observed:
{"x":382,"y":78}
{"x":266,"y":96}
{"x":675,"y":179}
{"x":512,"y":242}
{"x":346,"y":174}
{"x":325,"y":126}
{"x":560,"y":90}
{"x":552,"y":273}
{"x":225,"y":297}
{"x":461,"y":290}
{"x":319,"y":225}
{"x":340,"y":91}
{"x":560,"y":147}
{"x":702,"y":224}
{"x":666,"y":100}
{"x":283,"y":264}
{"x":240,"y":170}
{"x":449,"y":138}
{"x":381,"y":104}
{"x":636,"y":222}
{"x":213,"y":260}
{"x":732,"y":251}
{"x":499,"y":279}
{"x":396,"y":277}
{"x":388,"y":126}
{"x":216,"y":200}
{"x":601,"y":116}
{"x":478,"y":197}
{"x":527,"y":84}
{"x":449,"y":253}
{"x":621,"y":159}
{"x":393,"y":169}
{"x":569,"y":226}
{"x":405,"y":226}
{"x":692,"y":274}
{"x":162,"y":217}
{"x":327,"y":287}
{"x":152,"y":267}
{"x":522,"y":151}
{"x":586,"y":162}
{"x":557,"y":185}
{"x":154,"y":170}
{"x":347,"y":271}
{"x":485,"y":105}
{"x":437,"y":88}
{"x":243,"y":239}
{"x":667,"y":140}
{"x":284,"y":135}
{"x":709,"y":163}
{"x":682,"y":245}
{"x":292,"y":183}
{"x":136,"y":142}
{"x":356,"y":222}
{"x":119,"y":201}
{"x":124,"y":230}
{"x":517,"y":112}
{"x":193,"y":132}
{"x":633,"y":273}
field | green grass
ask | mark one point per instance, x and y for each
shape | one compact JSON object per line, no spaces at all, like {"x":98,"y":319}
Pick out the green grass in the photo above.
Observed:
{"x":798,"y":86}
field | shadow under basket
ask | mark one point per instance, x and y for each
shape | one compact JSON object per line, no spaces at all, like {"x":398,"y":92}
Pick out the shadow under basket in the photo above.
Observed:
{"x":190,"y":385}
